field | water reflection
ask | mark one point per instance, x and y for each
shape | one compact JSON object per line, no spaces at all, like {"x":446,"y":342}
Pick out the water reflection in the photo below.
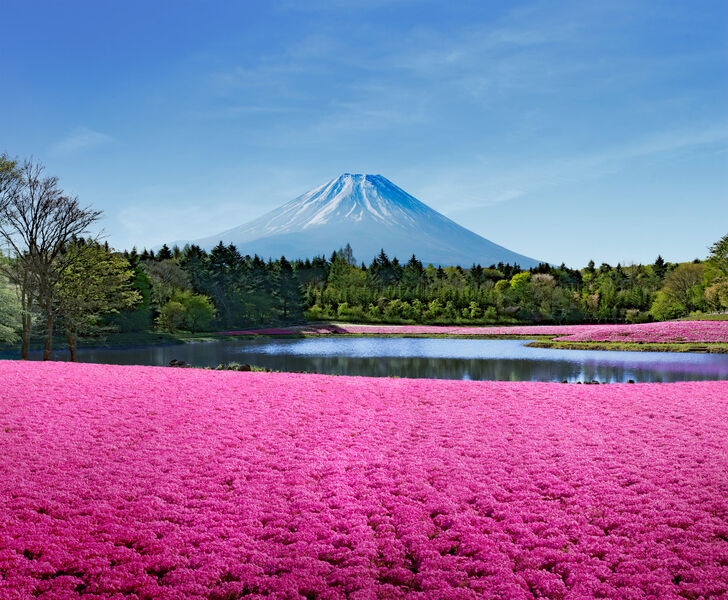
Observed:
{"x":505,"y":360}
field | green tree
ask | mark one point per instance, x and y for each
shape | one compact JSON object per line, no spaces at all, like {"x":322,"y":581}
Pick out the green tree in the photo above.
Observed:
{"x":37,"y":221}
{"x":287,"y":290}
{"x":659,"y":267}
{"x":681,"y":293}
{"x":186,"y":310}
{"x":718,"y":259}
{"x":171,"y":316}
{"x":166,"y":276}
{"x":10,"y":311}
{"x":199,"y":310}
{"x":95,"y":283}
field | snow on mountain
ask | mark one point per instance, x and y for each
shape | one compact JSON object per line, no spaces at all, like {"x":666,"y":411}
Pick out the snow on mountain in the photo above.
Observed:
{"x":370,"y":213}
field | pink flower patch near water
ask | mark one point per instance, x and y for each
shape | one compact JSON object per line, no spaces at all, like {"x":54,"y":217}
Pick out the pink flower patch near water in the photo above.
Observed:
{"x":146,"y":482}
{"x":671,"y":331}
{"x":416,"y":330}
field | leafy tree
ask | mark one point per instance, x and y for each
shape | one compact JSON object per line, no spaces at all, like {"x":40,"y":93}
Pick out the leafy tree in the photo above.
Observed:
{"x":520,"y":284}
{"x":718,"y":259}
{"x":185,"y":309}
{"x":10,"y":311}
{"x":166,"y":276}
{"x":171,"y":316}
{"x":95,"y":283}
{"x":717,"y":295}
{"x":37,"y":221}
{"x":681,"y":293}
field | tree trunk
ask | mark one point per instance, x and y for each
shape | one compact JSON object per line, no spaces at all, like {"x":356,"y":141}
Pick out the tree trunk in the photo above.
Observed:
{"x":25,"y":348}
{"x":49,"y":338}
{"x":26,"y":304}
{"x":71,"y":338}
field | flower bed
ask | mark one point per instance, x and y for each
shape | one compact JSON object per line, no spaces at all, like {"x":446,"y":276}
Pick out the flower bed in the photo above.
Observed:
{"x":415,"y":330}
{"x":666,"y":332}
{"x":147,"y":482}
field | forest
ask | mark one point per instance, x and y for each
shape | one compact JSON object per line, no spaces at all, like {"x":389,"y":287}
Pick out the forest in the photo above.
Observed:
{"x":194,"y":289}
{"x":55,"y":278}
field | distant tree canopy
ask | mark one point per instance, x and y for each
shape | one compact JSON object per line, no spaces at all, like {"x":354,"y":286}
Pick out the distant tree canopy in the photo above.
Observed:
{"x":247,"y":291}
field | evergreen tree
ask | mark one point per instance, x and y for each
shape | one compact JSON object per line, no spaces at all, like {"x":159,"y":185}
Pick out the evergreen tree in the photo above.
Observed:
{"x":164,"y":253}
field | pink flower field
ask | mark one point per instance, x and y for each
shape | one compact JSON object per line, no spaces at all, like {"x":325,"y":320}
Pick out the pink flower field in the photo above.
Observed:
{"x":144,"y":482}
{"x":669,"y":331}
{"x":664,"y":332}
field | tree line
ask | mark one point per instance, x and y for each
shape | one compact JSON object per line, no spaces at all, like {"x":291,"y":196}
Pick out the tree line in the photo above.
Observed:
{"x":192,"y":289}
{"x":387,"y":290}
{"x":55,"y":277}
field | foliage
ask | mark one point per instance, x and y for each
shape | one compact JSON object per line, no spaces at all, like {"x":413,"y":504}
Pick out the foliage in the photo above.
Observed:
{"x":681,"y":293}
{"x":95,"y":283}
{"x":37,"y":221}
{"x":186,"y":310}
{"x":248,"y":291}
{"x":171,"y":316}
{"x":10,"y":310}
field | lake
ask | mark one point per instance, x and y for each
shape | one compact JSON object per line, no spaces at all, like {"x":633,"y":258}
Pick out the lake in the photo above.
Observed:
{"x":438,"y":358}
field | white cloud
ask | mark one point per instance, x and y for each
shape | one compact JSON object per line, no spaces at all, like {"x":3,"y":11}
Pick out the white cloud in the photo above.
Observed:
{"x":79,"y":140}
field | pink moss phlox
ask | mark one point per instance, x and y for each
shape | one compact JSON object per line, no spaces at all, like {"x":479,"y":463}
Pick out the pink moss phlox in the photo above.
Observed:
{"x":665,"y":332}
{"x":146,"y":482}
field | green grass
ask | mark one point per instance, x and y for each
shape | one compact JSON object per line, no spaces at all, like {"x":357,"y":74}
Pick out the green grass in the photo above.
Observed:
{"x":707,"y":317}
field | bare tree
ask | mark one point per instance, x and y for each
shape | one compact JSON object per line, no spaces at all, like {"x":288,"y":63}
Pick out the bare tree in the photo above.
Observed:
{"x":37,"y":221}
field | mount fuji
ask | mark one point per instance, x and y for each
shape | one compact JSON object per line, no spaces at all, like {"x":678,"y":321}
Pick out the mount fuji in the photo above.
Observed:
{"x":370,"y":213}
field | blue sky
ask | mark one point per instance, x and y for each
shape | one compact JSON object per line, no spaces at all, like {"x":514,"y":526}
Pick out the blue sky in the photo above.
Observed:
{"x":561,"y":130}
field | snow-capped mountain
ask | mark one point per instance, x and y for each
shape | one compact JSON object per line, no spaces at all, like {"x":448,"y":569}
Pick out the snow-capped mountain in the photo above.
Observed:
{"x":370,"y":213}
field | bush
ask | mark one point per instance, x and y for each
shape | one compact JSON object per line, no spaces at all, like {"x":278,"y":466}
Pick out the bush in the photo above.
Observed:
{"x":634,"y":315}
{"x":343,"y":310}
{"x":199,"y":310}
{"x":315,"y":313}
{"x":490,"y":314}
{"x":171,"y":316}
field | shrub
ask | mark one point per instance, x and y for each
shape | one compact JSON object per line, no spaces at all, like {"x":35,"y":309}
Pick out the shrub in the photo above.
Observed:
{"x":171,"y":316}
{"x":315,"y":313}
{"x":634,"y":315}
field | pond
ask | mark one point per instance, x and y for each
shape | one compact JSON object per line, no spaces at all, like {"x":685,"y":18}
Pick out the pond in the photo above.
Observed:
{"x":438,"y":358}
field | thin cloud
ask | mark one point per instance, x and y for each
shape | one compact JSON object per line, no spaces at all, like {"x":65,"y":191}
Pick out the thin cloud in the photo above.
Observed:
{"x":79,"y":140}
{"x":479,"y":186}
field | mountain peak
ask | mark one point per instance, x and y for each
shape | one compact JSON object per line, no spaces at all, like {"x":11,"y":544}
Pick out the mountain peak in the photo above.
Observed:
{"x":369,"y":212}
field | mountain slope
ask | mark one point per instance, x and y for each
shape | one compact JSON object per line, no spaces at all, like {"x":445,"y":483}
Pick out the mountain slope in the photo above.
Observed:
{"x":369,"y":212}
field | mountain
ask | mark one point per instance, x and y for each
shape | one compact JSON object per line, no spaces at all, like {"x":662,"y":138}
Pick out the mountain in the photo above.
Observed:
{"x":370,"y":213}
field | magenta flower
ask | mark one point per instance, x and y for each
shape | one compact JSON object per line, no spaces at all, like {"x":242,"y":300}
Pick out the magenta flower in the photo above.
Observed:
{"x":146,"y":482}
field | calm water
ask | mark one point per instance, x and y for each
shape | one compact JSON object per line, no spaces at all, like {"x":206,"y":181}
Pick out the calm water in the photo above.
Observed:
{"x":437,"y":358}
